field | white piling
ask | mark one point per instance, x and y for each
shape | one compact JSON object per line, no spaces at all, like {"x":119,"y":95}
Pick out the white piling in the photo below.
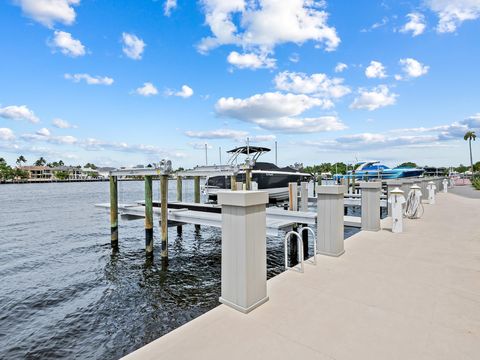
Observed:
{"x":396,"y":200}
{"x":371,"y":205}
{"x":244,"y":258}
{"x":445,"y":185}
{"x":330,"y":227}
{"x":431,"y":187}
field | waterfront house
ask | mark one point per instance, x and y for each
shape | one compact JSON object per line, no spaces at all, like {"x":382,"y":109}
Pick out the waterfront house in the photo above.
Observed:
{"x":38,"y":172}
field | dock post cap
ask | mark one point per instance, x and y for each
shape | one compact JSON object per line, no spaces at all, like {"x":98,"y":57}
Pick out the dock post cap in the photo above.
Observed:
{"x":242,"y":198}
{"x":415,"y":187}
{"x":331,"y":189}
{"x":370,"y":185}
{"x":397,"y":191}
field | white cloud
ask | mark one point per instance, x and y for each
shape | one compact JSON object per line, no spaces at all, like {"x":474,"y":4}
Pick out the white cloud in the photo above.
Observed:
{"x":93,"y":144}
{"x":6,"y":134}
{"x":294,"y":57}
{"x":413,"y":68}
{"x":169,"y":6}
{"x":217,"y":134}
{"x":133,"y":46}
{"x":261,"y":138}
{"x":316,"y":84}
{"x":250,"y":60}
{"x":90,"y":80}
{"x":21,"y":112}
{"x":259,"y":26}
{"x":378,"y":97}
{"x":62,"y":124}
{"x":148,"y":89}
{"x":416,"y":24}
{"x":185,"y":92}
{"x":452,"y":13}
{"x":277,"y":111}
{"x":340,"y":67}
{"x":375,"y":70}
{"x":67,"y":44}
{"x":43,"y":132}
{"x":48,"y":12}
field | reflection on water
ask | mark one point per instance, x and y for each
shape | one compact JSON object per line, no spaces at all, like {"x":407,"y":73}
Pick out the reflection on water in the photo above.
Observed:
{"x":65,"y":294}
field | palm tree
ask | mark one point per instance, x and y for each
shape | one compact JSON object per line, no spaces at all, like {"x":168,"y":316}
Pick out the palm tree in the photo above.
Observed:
{"x":40,"y":162}
{"x":470,"y":135}
{"x":21,"y":159}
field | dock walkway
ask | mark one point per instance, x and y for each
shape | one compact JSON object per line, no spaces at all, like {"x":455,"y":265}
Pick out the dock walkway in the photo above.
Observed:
{"x":414,"y":295}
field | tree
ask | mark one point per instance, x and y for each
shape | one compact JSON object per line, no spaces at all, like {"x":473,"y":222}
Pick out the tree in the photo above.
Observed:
{"x":90,"y":166}
{"x":40,"y":162}
{"x":407,"y":164}
{"x":469,"y":136}
{"x":21,"y":160}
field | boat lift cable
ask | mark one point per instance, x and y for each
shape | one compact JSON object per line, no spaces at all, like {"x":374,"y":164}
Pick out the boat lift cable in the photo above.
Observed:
{"x":414,"y":207}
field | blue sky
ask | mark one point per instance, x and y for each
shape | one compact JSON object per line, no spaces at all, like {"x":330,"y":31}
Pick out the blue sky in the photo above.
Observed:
{"x":129,"y":82}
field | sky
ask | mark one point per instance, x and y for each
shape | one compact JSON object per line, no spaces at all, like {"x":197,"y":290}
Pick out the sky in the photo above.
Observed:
{"x":120,"y":83}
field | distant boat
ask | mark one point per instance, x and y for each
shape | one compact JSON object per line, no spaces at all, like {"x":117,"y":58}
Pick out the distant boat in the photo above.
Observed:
{"x":376,"y":170}
{"x":268,"y":176}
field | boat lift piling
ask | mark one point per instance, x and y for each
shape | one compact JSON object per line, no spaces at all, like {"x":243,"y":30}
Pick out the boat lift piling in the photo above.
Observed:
{"x":114,"y":211}
{"x":164,"y":217}
{"x":148,"y":217}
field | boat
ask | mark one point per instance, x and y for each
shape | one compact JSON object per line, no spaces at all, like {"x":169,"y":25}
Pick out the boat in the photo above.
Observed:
{"x":365,"y":170}
{"x":268,"y":176}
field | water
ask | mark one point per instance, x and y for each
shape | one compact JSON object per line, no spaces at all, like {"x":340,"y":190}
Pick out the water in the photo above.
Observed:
{"x":64,"y":294}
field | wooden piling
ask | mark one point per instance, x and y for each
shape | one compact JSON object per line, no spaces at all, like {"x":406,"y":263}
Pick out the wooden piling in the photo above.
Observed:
{"x":305,"y":243}
{"x":164,"y":216}
{"x":248,"y":179}
{"x":196,"y":195}
{"x":179,"y":189}
{"x":114,"y":211}
{"x":148,"y":217}
{"x":233,"y":182}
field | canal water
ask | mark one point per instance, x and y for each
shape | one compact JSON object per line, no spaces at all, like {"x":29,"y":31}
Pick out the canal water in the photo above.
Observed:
{"x":64,"y":294}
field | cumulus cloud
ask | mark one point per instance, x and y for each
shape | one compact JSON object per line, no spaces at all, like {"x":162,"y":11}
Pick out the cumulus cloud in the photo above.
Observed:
{"x":250,"y":60}
{"x":319,"y":85}
{"x":66,"y":44}
{"x":259,"y":26}
{"x":148,"y":89}
{"x":21,"y":112}
{"x":217,"y":134}
{"x":6,"y":134}
{"x":378,"y":97}
{"x":49,"y":12}
{"x":416,"y":24}
{"x":452,"y":14}
{"x":62,"y":124}
{"x":185,"y":92}
{"x":93,"y":144}
{"x":43,"y":132}
{"x":277,"y":111}
{"x":340,"y":67}
{"x":375,"y":70}
{"x":133,"y":46}
{"x":89,"y":79}
{"x":169,"y":6}
{"x":412,"y":68}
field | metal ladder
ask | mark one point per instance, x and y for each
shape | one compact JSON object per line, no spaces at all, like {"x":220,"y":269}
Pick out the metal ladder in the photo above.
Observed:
{"x":301,"y":260}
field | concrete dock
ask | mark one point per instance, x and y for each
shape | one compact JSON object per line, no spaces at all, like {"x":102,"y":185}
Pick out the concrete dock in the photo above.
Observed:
{"x":413,"y":295}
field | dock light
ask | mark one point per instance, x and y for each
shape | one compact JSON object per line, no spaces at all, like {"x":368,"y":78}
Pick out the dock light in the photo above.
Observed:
{"x":397,"y":199}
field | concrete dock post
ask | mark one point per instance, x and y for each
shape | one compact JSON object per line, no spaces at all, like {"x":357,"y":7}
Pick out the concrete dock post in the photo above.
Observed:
{"x":392,"y":185}
{"x":114,"y":211}
{"x":164,"y":216}
{"x":244,"y":264}
{"x":293,"y":196}
{"x":445,"y":185}
{"x":304,"y":196}
{"x":148,"y":217}
{"x":396,"y":199}
{"x":330,"y":226}
{"x":431,"y":192}
{"x":423,"y":187}
{"x":179,"y":189}
{"x":371,"y":205}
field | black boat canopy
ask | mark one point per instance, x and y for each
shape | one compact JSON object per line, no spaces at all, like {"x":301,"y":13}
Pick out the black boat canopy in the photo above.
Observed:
{"x":249,"y":150}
